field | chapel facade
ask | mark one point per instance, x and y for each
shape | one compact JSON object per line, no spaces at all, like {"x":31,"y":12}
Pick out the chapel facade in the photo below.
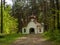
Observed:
{"x":33,"y":26}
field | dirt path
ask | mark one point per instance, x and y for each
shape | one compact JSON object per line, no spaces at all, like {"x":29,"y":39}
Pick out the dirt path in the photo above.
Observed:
{"x":32,"y":39}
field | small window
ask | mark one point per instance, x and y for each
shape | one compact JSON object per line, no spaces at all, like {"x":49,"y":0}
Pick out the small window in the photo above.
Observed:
{"x":40,"y":30}
{"x":24,"y":30}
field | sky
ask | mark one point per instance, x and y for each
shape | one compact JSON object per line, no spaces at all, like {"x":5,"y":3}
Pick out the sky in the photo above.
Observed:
{"x":9,"y":2}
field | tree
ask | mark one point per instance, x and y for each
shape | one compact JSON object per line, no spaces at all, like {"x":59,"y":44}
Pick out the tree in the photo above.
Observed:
{"x":17,"y":13}
{"x":9,"y":23}
{"x":1,"y":16}
{"x":57,"y":5}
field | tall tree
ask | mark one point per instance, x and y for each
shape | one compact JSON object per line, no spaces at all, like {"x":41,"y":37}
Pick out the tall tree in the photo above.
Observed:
{"x":52,"y":7}
{"x":57,"y":5}
{"x":1,"y":16}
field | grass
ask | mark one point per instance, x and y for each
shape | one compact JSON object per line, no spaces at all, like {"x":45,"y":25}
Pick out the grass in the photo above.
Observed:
{"x":53,"y":38}
{"x":8,"y":39}
{"x":56,"y":43}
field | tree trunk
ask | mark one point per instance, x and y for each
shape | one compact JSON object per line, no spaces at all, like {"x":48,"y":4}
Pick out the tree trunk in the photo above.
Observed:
{"x":57,"y":5}
{"x":53,"y":13}
{"x":1,"y":17}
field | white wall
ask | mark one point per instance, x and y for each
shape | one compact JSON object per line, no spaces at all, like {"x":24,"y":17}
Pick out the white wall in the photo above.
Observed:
{"x":32,"y":25}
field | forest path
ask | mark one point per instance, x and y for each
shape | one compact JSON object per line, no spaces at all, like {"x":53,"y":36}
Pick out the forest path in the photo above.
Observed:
{"x":32,"y":39}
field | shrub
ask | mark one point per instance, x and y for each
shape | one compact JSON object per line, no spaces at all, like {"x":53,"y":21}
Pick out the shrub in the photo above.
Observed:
{"x":9,"y":23}
{"x":53,"y":35}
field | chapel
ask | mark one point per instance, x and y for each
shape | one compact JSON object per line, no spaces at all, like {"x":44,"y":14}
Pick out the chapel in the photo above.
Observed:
{"x":33,"y":26}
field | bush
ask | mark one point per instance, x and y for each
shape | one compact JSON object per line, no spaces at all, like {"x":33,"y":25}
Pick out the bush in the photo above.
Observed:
{"x":9,"y":23}
{"x":53,"y":35}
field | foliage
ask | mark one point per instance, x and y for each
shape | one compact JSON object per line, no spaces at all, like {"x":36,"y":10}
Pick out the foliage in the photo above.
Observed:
{"x":53,"y":35}
{"x":9,"y":23}
{"x":8,"y":39}
{"x":0,"y":18}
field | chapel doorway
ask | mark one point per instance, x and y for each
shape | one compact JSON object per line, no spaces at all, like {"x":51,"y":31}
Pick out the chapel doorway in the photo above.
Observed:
{"x":32,"y":31}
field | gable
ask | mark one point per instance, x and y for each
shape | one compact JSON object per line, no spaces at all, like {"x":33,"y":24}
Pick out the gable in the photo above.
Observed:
{"x":31,"y":24}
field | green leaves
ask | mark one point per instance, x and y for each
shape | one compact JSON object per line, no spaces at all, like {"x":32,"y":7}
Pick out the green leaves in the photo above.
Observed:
{"x":9,"y":23}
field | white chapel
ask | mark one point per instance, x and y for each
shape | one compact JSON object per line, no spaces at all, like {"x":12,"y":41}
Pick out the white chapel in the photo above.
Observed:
{"x":33,"y":27}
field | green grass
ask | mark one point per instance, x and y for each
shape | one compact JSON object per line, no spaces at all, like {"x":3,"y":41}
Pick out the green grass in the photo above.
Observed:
{"x":53,"y":37}
{"x":8,"y":39}
{"x":55,"y":43}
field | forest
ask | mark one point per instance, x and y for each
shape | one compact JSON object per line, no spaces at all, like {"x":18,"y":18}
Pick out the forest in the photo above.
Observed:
{"x":14,"y":18}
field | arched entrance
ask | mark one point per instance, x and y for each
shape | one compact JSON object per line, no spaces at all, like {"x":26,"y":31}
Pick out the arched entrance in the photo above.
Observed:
{"x":32,"y":31}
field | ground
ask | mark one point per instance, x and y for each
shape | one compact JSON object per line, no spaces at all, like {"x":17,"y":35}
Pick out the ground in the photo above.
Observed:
{"x":32,"y":39}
